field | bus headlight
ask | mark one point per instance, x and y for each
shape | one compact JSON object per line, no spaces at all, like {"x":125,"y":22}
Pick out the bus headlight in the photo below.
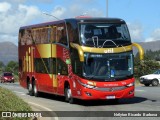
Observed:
{"x":86,"y":85}
{"x":130,"y":84}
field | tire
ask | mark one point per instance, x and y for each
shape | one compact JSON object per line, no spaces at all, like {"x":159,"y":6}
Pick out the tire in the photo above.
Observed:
{"x":147,"y":85}
{"x":155,"y":82}
{"x":68,"y":95}
{"x":35,"y":91}
{"x":30,"y":89}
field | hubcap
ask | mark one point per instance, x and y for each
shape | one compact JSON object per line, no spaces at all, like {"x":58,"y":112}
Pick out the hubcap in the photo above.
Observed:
{"x":30,"y":87}
{"x":69,"y":93}
{"x":155,"y":82}
{"x":35,"y":89}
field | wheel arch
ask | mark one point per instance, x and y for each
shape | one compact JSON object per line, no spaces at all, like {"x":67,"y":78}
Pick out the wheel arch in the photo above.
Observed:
{"x":66,"y":84}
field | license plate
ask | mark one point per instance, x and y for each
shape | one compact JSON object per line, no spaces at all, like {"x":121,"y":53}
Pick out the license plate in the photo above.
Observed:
{"x":110,"y":97}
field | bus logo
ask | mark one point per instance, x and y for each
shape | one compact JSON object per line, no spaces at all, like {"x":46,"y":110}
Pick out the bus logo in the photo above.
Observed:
{"x":111,"y":89}
{"x":110,"y":50}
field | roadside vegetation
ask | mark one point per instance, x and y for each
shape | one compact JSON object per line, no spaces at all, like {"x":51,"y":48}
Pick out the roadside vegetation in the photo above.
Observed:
{"x":12,"y":66}
{"x":150,"y":64}
{"x":10,"y":102}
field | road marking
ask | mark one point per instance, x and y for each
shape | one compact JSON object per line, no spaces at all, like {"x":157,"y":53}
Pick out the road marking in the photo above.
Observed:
{"x":19,"y":92}
{"x":56,"y":118}
{"x":140,"y":90}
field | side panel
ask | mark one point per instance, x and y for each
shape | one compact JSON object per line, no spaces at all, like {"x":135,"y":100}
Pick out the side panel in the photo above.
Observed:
{"x":45,"y":53}
{"x":26,"y":69}
{"x":63,"y":67}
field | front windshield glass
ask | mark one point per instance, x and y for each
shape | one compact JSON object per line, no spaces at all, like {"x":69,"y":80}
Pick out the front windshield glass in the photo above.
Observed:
{"x":108,"y":67}
{"x":157,"y":72}
{"x":104,"y":35}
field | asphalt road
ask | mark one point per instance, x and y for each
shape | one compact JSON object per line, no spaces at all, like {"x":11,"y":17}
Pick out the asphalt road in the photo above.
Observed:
{"x":146,"y":99}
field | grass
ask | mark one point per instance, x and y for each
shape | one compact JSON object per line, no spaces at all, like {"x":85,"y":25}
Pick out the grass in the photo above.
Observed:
{"x":137,"y":81}
{"x":16,"y":78}
{"x":10,"y":102}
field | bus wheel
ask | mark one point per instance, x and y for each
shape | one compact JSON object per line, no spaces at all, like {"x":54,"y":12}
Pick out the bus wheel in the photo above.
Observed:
{"x":30,"y":89}
{"x":68,"y":95}
{"x":35,"y":91}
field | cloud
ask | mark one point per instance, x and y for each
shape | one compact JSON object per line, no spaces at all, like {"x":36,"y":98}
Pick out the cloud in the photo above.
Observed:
{"x":10,"y":38}
{"x":155,"y":35}
{"x":14,"y":1}
{"x":42,"y":1}
{"x":16,"y":13}
{"x":136,"y":31}
{"x":23,"y":15}
{"x":31,"y":1}
{"x":59,"y":12}
{"x":4,"y":7}
{"x":13,"y":16}
{"x":73,"y":11}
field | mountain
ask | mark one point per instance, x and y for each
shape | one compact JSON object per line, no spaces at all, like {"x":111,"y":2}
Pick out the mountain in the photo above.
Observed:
{"x":8,"y":52}
{"x":153,"y":45}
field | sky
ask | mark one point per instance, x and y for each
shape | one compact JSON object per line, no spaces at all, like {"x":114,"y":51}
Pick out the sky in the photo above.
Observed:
{"x":141,"y":16}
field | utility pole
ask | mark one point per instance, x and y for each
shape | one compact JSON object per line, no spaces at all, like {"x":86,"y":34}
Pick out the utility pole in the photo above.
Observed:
{"x":50,"y":15}
{"x":106,"y":8}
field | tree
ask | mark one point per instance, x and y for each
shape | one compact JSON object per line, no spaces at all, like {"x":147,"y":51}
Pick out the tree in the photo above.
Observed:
{"x":1,"y":66}
{"x":146,"y":66}
{"x":12,"y":66}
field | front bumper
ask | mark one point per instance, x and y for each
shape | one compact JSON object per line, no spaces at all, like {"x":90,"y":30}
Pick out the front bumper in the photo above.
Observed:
{"x":145,"y":81}
{"x":9,"y":80}
{"x":92,"y":94}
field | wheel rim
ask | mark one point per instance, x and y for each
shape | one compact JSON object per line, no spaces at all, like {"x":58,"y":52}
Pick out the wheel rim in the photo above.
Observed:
{"x":35,"y":89}
{"x":30,"y":87}
{"x":155,"y":82}
{"x":69,"y":93}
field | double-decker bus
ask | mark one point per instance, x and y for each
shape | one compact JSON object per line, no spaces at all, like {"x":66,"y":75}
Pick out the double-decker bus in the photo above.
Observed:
{"x":83,"y":58}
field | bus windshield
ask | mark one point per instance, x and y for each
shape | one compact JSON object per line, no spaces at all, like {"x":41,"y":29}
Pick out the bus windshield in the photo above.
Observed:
{"x":108,"y":67}
{"x":104,"y":34}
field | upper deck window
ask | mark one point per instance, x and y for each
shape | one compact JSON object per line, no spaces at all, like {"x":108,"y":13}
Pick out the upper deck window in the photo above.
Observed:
{"x":104,"y":35}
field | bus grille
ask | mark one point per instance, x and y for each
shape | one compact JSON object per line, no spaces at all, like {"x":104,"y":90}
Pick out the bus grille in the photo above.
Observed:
{"x":109,"y":89}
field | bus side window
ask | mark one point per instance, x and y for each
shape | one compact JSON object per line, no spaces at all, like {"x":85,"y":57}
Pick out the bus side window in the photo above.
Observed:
{"x":72,"y":32}
{"x":53,"y":65}
{"x":62,"y":68}
{"x":61,"y":34}
{"x":53,"y":36}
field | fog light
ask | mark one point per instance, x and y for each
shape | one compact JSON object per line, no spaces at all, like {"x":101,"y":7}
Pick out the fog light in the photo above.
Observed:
{"x":131,"y":92}
{"x":88,"y":94}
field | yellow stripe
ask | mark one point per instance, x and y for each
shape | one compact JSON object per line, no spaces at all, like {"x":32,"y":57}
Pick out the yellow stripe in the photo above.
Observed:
{"x":82,"y":49}
{"x":45,"y":50}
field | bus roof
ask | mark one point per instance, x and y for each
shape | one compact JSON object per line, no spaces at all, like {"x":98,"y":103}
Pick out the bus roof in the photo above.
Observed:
{"x":78,"y":19}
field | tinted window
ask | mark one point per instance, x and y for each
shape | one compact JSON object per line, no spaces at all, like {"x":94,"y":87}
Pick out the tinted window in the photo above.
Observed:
{"x":45,"y":65}
{"x":72,"y":32}
{"x":62,"y":67}
{"x":104,"y":35}
{"x":7,"y":74}
{"x":61,"y":34}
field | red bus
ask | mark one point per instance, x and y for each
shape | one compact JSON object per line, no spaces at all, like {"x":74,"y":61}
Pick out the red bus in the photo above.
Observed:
{"x":83,"y":58}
